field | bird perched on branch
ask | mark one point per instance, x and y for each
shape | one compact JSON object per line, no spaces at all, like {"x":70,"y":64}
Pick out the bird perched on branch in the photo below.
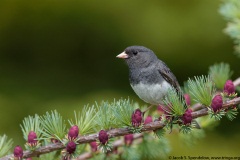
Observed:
{"x":149,"y":77}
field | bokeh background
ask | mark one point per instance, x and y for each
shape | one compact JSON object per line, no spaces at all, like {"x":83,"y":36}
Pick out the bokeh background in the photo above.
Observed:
{"x":62,"y":55}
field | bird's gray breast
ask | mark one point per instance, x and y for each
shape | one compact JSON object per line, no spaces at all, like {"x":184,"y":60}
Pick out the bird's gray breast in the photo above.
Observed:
{"x":149,"y":85}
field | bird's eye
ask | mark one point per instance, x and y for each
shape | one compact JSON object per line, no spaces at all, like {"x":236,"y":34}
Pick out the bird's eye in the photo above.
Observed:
{"x":135,"y":52}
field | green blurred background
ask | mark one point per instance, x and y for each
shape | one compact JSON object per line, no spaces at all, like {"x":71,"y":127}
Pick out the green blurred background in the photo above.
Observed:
{"x":61,"y":55}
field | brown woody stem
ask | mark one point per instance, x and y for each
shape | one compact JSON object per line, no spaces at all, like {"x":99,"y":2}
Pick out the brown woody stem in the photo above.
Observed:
{"x":117,"y":132}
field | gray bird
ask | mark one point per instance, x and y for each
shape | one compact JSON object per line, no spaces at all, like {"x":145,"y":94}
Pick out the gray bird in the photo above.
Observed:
{"x":149,"y":77}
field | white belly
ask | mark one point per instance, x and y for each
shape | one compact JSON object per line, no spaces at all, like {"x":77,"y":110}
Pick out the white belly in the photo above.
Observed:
{"x":152,"y":94}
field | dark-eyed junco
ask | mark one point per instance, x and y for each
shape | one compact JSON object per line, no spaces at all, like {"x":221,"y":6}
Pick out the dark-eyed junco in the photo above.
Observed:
{"x":149,"y":77}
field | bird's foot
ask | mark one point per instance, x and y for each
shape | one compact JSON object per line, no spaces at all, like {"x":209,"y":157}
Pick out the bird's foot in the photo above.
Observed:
{"x":147,"y":109}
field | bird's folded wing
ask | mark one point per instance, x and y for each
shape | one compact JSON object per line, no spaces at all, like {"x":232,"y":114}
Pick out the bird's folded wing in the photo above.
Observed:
{"x":169,"y":76}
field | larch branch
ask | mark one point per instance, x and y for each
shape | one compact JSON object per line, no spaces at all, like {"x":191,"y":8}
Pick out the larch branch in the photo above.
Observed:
{"x":203,"y":111}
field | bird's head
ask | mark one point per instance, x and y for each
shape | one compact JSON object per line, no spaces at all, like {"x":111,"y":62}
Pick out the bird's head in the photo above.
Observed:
{"x":137,"y":56}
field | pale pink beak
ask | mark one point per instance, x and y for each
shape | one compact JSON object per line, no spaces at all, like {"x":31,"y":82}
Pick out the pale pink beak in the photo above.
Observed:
{"x":122,"y":55}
